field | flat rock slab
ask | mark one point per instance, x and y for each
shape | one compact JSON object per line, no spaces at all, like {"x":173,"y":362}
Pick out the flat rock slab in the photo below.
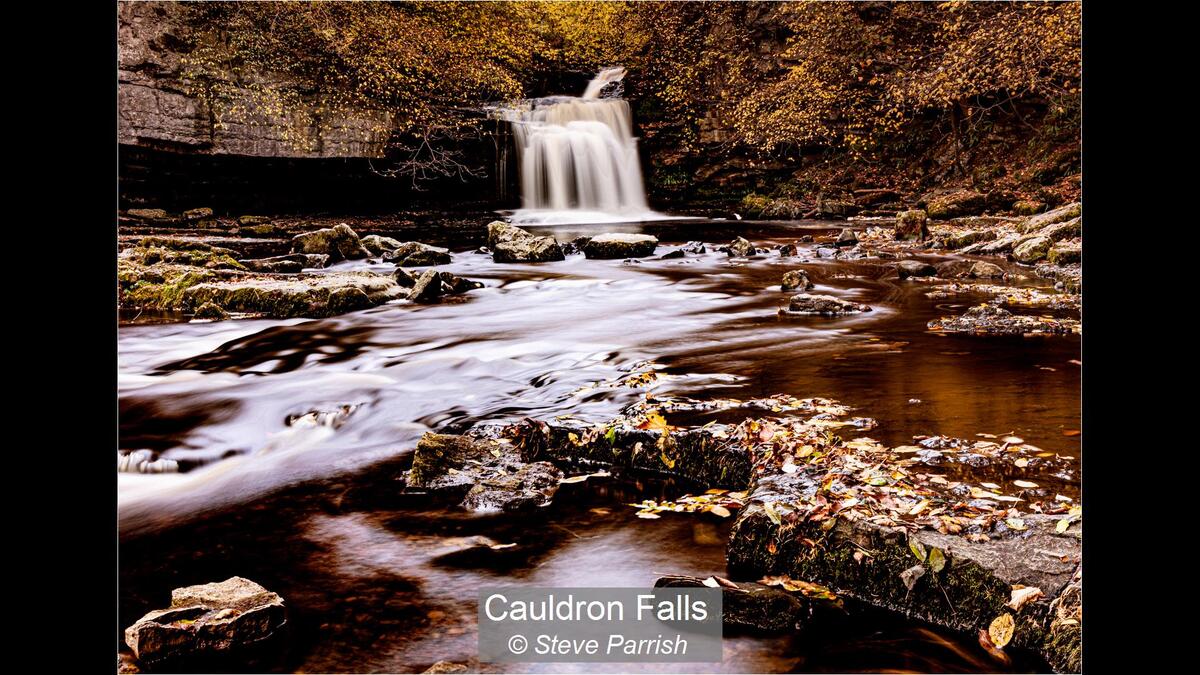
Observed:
{"x":992,"y":320}
{"x":620,"y":245}
{"x":314,"y":295}
{"x":751,"y":606}
{"x":210,"y":623}
{"x":482,"y":475}
{"x":823,"y":305}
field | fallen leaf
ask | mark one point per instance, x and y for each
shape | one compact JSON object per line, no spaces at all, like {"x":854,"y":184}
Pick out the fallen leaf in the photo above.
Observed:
{"x":1022,"y":462}
{"x":719,"y":511}
{"x":772,"y":513}
{"x":917,"y":548}
{"x":1013,"y":440}
{"x":1015,"y":523}
{"x":711,"y":583}
{"x":1062,"y":525}
{"x":937,"y":560}
{"x":1071,"y":432}
{"x":572,"y":479}
{"x":1001,"y":630}
{"x":1022,"y":595}
{"x":911,"y":575}
{"x":1025,"y":484}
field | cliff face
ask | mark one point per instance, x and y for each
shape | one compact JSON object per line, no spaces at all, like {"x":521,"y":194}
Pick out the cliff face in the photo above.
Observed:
{"x":156,"y":110}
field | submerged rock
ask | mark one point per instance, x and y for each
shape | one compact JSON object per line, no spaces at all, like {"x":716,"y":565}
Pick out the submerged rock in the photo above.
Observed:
{"x":793,"y":279}
{"x":992,"y":320}
{"x":230,"y":623}
{"x":210,"y":310}
{"x":915,"y":268}
{"x":416,"y":254}
{"x":740,"y":248}
{"x":483,"y":475}
{"x":824,"y":305}
{"x":751,"y":606}
{"x":911,"y":225}
{"x":616,"y":245}
{"x":787,"y":250}
{"x":672,"y":255}
{"x":338,"y":242}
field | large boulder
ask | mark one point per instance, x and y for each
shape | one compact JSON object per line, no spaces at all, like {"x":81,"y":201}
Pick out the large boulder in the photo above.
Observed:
{"x":338,"y":242}
{"x":991,"y":320}
{"x":915,"y":268}
{"x":620,"y":245}
{"x":416,"y":254}
{"x":529,"y":249}
{"x":378,"y":245}
{"x":316,"y":295}
{"x":912,"y":225}
{"x":955,"y":203}
{"x":1061,"y":214}
{"x":846,"y":237}
{"x":1032,"y":249}
{"x":1065,"y":253}
{"x":511,"y":244}
{"x":286,"y":263}
{"x":751,"y":606}
{"x":231,"y":623}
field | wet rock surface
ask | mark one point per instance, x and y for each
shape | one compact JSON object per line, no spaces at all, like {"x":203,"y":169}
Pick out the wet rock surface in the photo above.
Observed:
{"x":992,"y":320}
{"x":620,"y":245}
{"x":417,"y":254}
{"x":751,"y":606}
{"x":915,"y":268}
{"x":823,"y":305}
{"x":284,"y":297}
{"x":481,"y":474}
{"x":227,"y":624}
{"x":795,"y":279}
{"x":740,"y":248}
{"x":282,"y":264}
{"x":338,"y":242}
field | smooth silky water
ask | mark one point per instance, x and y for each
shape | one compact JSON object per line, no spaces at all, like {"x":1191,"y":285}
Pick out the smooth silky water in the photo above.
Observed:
{"x":366,"y":579}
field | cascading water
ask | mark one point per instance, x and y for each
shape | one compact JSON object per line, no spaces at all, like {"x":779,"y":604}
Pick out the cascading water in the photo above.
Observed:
{"x":578,"y":158}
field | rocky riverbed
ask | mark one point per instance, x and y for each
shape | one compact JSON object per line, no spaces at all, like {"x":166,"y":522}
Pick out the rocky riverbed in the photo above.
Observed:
{"x":829,"y":420}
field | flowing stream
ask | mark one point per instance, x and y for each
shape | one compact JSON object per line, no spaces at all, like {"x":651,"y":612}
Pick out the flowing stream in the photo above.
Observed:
{"x":375,"y":581}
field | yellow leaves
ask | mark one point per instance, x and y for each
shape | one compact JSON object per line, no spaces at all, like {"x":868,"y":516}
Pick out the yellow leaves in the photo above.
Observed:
{"x":655,"y":422}
{"x":1000,"y":631}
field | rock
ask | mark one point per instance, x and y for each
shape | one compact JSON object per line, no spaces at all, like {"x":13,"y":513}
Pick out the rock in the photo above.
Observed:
{"x":793,"y":279}
{"x":511,"y":244}
{"x":805,"y":239}
{"x":832,"y":208}
{"x":1027,"y":207}
{"x":824,"y":305}
{"x":456,"y":284}
{"x":338,"y":242}
{"x":287,"y":263}
{"x":1065,"y":253}
{"x":404,"y":278}
{"x":529,"y":249}
{"x":574,"y":246}
{"x":152,"y":216}
{"x":1061,"y":214}
{"x":827,"y":252}
{"x":752,"y":606}
{"x":671,"y":255}
{"x":445,"y":668}
{"x":226,"y":622}
{"x":347,"y":299}
{"x":992,"y":320}
{"x":788,"y":250}
{"x":307,"y":295}
{"x":955,"y":203}
{"x":696,"y":247}
{"x":740,"y":248}
{"x":874,"y":563}
{"x":250,"y":221}
{"x":911,"y":226}
{"x":264,"y":230}
{"x":847,"y":238}
{"x":378,"y":245}
{"x":915,"y":268}
{"x":428,"y":287}
{"x":176,"y":251}
{"x":416,"y":254}
{"x":195,"y":215}
{"x":481,"y":474}
{"x":620,"y":245}
{"x":1032,"y":249}
{"x":211,"y":311}
{"x":985,"y":270}
{"x":956,"y":240}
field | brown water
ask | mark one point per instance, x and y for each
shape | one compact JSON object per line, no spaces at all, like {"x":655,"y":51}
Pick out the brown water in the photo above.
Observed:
{"x":377,"y":582}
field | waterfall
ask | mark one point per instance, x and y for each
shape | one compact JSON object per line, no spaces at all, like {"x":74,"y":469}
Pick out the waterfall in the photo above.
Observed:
{"x":578,"y":158}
